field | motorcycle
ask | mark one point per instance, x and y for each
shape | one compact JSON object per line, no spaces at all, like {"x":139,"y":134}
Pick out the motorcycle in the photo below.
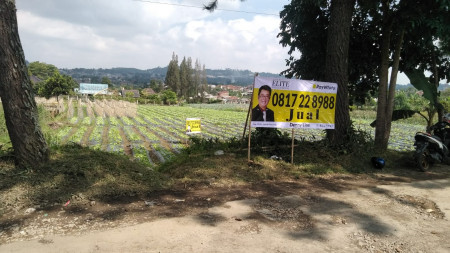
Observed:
{"x":432,"y":146}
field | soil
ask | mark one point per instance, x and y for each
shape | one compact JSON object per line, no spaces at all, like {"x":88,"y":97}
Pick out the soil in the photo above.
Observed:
{"x":399,"y":211}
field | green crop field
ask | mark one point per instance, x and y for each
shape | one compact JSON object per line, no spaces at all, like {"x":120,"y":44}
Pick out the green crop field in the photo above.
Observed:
{"x":153,"y":134}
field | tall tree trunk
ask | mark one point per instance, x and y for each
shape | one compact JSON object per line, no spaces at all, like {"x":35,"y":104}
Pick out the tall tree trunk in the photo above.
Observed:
{"x":439,"y":107}
{"x":21,"y":114}
{"x":380,"y":128}
{"x":336,"y":65}
{"x":392,"y":85}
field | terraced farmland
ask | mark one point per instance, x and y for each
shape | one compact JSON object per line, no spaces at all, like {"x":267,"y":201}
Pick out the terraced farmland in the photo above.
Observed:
{"x":153,"y":134}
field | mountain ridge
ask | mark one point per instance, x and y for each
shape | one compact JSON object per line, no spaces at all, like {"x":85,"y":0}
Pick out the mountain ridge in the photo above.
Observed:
{"x":138,"y":77}
{"x":141,"y":78}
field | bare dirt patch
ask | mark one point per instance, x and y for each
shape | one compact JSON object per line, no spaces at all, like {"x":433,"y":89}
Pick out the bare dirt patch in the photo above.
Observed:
{"x":381,"y":212}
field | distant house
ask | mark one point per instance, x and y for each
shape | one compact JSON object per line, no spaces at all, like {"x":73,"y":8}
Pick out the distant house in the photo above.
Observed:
{"x":223,"y":94}
{"x":135,"y":93}
{"x":210,"y":97}
{"x":148,"y":91}
{"x":233,"y":87}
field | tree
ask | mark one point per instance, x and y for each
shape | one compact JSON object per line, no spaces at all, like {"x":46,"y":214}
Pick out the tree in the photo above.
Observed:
{"x":173,"y":75}
{"x":154,"y":98}
{"x":129,"y":94}
{"x":190,"y":91}
{"x":169,"y":97}
{"x":57,"y":85}
{"x":300,"y":23}
{"x":428,"y":50}
{"x":197,"y":78}
{"x":204,"y":82}
{"x":106,"y":80}
{"x":303,"y":28}
{"x":41,"y":70}
{"x":20,"y":109}
{"x":426,"y":21}
{"x":156,"y":85}
{"x":184,"y":79}
{"x":336,"y":65}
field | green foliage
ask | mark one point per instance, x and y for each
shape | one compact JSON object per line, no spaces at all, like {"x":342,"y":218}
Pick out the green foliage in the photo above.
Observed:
{"x":169,"y":97}
{"x":57,"y":85}
{"x":304,"y":25}
{"x":401,"y":101}
{"x":263,"y":138}
{"x":154,"y":98}
{"x":129,"y":94}
{"x":4,"y":137}
{"x":444,"y":99}
{"x":187,"y":82}
{"x":156,"y":85}
{"x":42,"y":70}
{"x":304,"y":29}
{"x":173,"y":75}
{"x":420,"y":82}
{"x":185,"y":78}
{"x":106,"y":80}
{"x":211,"y":145}
{"x":5,"y":142}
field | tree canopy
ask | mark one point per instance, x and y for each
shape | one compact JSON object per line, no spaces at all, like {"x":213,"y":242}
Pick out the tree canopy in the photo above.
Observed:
{"x":187,"y":81}
{"x":41,"y":70}
{"x":173,"y":75}
{"x":304,"y":25}
{"x":57,"y":85}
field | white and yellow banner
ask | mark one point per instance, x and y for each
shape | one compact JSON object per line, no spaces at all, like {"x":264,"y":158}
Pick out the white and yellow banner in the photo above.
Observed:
{"x":193,"y":125}
{"x":293,"y":103}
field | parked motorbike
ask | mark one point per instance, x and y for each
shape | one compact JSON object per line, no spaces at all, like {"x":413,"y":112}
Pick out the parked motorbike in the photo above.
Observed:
{"x":432,"y":147}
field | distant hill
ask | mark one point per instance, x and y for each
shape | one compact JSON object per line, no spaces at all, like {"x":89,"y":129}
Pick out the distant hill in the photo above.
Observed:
{"x":406,"y":86}
{"x":140,"y":78}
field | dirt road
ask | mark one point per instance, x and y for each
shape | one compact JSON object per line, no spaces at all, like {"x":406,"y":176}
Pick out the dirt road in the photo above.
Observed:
{"x":338,"y":215}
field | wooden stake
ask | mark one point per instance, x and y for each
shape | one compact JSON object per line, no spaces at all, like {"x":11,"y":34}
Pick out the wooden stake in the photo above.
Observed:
{"x":292,"y":147}
{"x":250,"y":125}
{"x":248,"y":114}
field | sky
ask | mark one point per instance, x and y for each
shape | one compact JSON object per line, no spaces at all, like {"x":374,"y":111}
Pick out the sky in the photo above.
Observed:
{"x":144,"y":34}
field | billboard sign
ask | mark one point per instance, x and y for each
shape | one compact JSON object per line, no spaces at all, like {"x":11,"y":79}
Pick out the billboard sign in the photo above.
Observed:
{"x":293,"y":103}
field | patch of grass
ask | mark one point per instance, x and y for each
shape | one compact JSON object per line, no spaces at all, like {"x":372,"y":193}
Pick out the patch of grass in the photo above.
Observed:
{"x":199,"y":164}
{"x":78,"y":174}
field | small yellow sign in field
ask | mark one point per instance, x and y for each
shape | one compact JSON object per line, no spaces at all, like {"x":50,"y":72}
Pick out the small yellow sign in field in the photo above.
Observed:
{"x":193,"y":125}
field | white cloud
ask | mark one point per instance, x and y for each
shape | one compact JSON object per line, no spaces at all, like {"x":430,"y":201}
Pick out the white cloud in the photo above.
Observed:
{"x":99,"y":34}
